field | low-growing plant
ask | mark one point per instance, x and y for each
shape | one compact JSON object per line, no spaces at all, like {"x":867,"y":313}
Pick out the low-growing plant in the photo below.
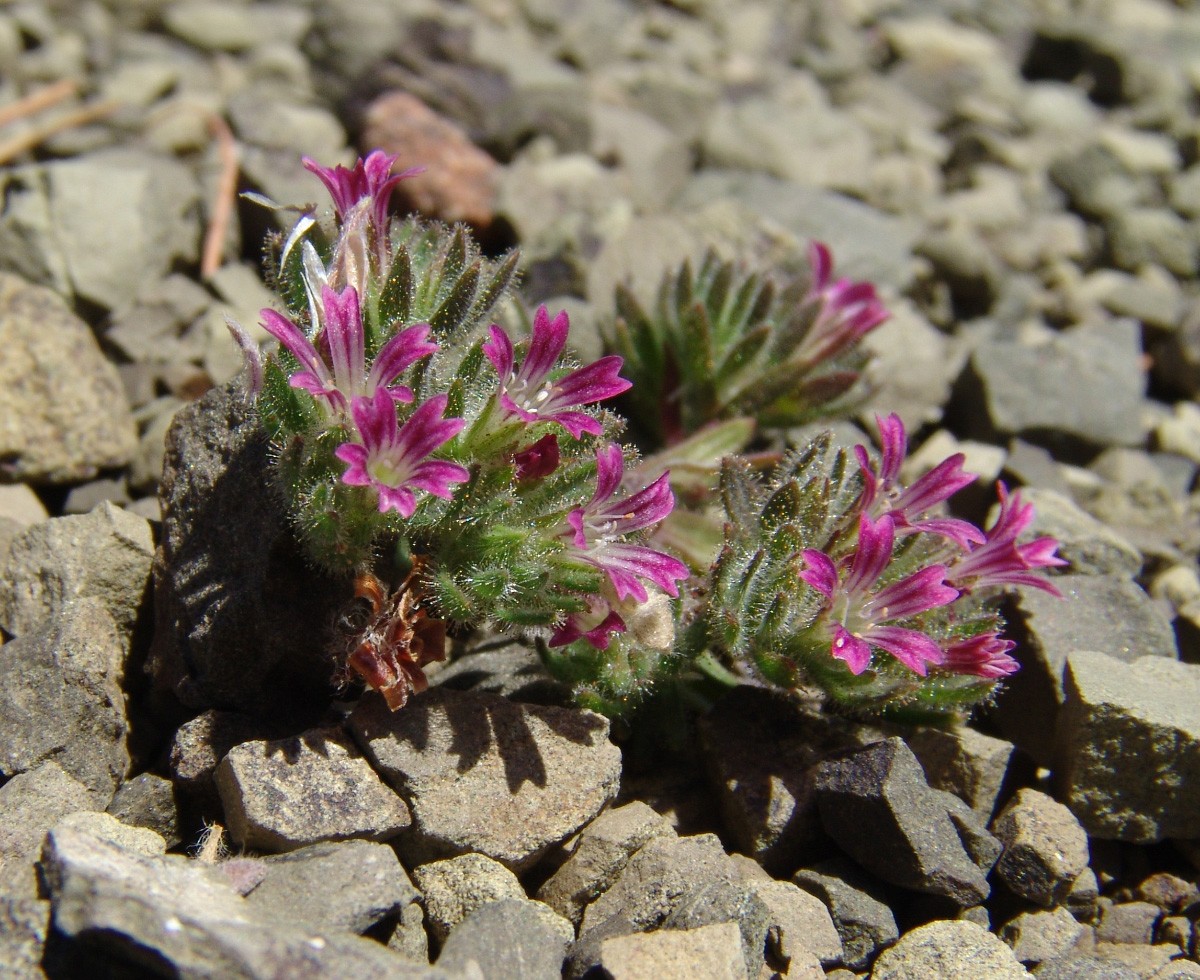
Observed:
{"x":465,"y":476}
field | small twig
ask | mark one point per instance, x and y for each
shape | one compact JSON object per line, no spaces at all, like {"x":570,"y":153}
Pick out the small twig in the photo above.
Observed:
{"x":14,"y":147}
{"x":222,"y":206}
{"x":35,"y":102}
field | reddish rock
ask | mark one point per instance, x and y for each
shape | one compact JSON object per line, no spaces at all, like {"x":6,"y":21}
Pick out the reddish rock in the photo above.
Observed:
{"x":459,"y":182}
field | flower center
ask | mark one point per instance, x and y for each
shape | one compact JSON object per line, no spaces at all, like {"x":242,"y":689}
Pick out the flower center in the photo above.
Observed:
{"x":387,"y":472}
{"x":526,"y":398}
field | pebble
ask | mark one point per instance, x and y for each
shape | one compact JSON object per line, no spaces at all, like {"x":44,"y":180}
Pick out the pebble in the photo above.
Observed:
{"x":513,"y":937}
{"x":1045,"y":848}
{"x":63,"y":413}
{"x":482,"y":773}
{"x":453,"y":888}
{"x":1128,"y":746}
{"x":863,"y":921}
{"x":676,"y":954}
{"x":948,"y":948}
{"x":288,"y":793}
{"x":31,"y":803}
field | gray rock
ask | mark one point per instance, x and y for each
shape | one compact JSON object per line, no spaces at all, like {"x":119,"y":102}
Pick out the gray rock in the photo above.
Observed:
{"x":1038,"y":936}
{"x":655,"y":162}
{"x":201,"y":743}
{"x":1045,"y":848}
{"x":676,"y":954}
{"x":867,"y":243}
{"x":1095,"y":182}
{"x":1127,"y":747}
{"x":810,"y":144}
{"x":19,"y":504}
{"x":121,"y":217}
{"x":24,"y":926}
{"x":1085,"y":967}
{"x":1091,"y":547}
{"x":141,"y":912}
{"x":1023,"y":389}
{"x":863,"y":921}
{"x":61,"y":699}
{"x":106,"y":827}
{"x":876,"y":804}
{"x":759,"y":747}
{"x":509,"y":938}
{"x":258,"y":115}
{"x":453,"y":888}
{"x":148,"y":801}
{"x":30,"y":804}
{"x":1100,"y":612}
{"x":104,"y":555}
{"x":347,"y":886}
{"x":63,"y":411}
{"x":1128,"y":922}
{"x":722,"y":900}
{"x":239,"y":613}
{"x":233,"y":26}
{"x":1142,"y":236}
{"x":604,"y":848}
{"x":800,"y":925}
{"x":948,"y":948}
{"x":485,"y":774}
{"x":971,"y":765}
{"x":283,"y":794}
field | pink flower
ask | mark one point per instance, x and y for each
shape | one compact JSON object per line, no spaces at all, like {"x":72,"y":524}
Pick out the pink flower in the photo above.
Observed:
{"x":858,"y":611}
{"x":883,"y":493}
{"x":847,"y":311}
{"x":539,"y":460}
{"x":532,"y":395}
{"x":370,"y":178}
{"x":596,"y":529}
{"x":596,"y":625}
{"x":999,"y":560}
{"x":344,"y":376}
{"x":985,"y":655}
{"x":394,"y":459}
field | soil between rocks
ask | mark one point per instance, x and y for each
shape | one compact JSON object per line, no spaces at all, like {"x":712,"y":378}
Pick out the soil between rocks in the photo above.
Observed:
{"x":1021,"y":181}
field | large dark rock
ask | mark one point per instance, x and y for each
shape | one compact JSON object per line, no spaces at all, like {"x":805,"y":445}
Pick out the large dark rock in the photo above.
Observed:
{"x":242,"y":619}
{"x":876,"y":804}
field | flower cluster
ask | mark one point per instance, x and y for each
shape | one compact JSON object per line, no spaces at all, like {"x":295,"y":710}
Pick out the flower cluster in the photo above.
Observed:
{"x":404,"y":421}
{"x":864,"y":599}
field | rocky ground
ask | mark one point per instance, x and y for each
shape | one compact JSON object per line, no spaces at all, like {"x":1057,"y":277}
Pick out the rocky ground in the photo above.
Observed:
{"x":1020,"y":179}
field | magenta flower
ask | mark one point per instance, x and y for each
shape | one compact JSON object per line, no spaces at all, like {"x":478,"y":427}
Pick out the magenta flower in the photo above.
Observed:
{"x":596,"y":625}
{"x":345,"y":376}
{"x":857,"y":613}
{"x":394,"y":459}
{"x":847,"y":312}
{"x":532,"y":395}
{"x":370,"y":178}
{"x":985,"y":655}
{"x":539,"y":460}
{"x":596,"y":529}
{"x":999,"y":560}
{"x":883,"y":494}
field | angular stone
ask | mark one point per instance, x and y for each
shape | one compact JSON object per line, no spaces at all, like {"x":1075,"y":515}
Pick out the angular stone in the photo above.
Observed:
{"x":800,"y":925}
{"x":1024,"y":392}
{"x":723,"y":900}
{"x":948,"y":948}
{"x":1045,"y":848}
{"x":971,"y":765}
{"x":148,"y":801}
{"x":1127,"y":747}
{"x":106,"y":827}
{"x":63,"y":412}
{"x":342,"y":887}
{"x":863,"y":921}
{"x":146,"y":912}
{"x":453,"y":888}
{"x":1143,"y":236}
{"x":1078,"y":966}
{"x":105,"y":555}
{"x":1128,"y":922}
{"x":24,"y":926}
{"x":604,"y":848}
{"x":1038,"y":936}
{"x":482,"y":773}
{"x":61,"y":699}
{"x":713,"y":951}
{"x":30,"y":804}
{"x":510,"y":938}
{"x":284,"y":794}
{"x":759,"y":747}
{"x":1101,"y":612}
{"x":514,"y":671}
{"x":239,"y":614}
{"x":876,"y":804}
